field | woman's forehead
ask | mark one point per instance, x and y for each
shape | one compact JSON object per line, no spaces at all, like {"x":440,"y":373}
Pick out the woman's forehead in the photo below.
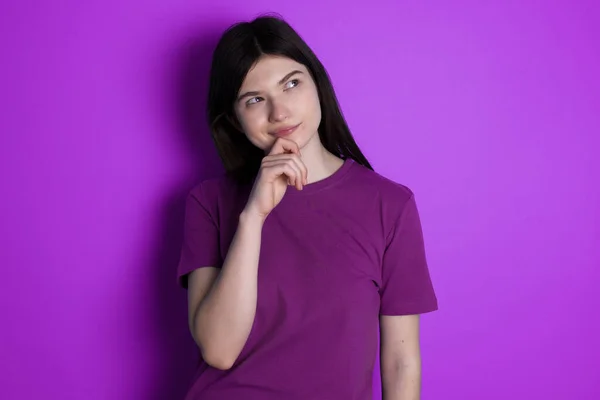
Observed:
{"x":269,"y":70}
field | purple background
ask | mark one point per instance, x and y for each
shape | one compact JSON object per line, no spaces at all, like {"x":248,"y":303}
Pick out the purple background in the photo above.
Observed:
{"x":489,"y":111}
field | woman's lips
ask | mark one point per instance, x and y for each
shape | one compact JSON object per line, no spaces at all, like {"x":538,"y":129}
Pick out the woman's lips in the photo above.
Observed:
{"x":285,"y":131}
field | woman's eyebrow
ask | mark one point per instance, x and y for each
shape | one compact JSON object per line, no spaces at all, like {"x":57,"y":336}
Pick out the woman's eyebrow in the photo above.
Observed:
{"x":281,"y":82}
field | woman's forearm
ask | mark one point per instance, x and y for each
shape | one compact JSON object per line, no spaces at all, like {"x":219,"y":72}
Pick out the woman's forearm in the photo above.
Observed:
{"x":225,"y":316}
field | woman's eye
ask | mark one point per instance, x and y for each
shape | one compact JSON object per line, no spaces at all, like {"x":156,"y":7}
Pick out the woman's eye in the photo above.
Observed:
{"x":292,"y":83}
{"x":253,"y":100}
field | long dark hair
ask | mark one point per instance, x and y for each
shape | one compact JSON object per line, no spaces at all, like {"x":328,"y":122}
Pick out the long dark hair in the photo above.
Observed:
{"x":239,"y":48}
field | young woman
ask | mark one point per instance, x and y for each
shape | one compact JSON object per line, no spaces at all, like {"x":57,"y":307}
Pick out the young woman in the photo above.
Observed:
{"x":300,"y":256}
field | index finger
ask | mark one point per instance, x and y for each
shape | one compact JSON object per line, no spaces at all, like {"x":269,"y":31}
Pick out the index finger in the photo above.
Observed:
{"x":283,"y":145}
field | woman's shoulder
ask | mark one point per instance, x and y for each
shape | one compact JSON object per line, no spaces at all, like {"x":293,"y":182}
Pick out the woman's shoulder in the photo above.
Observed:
{"x":377,"y":192}
{"x":215,"y":188}
{"x":373,"y":182}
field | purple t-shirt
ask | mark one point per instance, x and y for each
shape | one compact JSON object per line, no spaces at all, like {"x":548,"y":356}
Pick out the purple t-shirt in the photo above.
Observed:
{"x":334,"y":257}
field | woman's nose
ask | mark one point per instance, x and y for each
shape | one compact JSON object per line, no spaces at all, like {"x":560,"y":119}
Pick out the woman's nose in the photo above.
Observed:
{"x":279,"y":111}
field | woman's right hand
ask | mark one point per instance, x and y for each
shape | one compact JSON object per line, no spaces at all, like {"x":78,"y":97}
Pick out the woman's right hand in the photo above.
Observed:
{"x":280,"y":168}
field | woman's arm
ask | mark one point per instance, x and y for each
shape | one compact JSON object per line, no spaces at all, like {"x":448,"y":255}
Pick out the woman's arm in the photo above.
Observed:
{"x":400,"y":357}
{"x":222,"y":304}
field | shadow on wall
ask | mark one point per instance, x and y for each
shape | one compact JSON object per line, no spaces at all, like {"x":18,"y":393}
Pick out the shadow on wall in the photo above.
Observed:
{"x":177,"y":351}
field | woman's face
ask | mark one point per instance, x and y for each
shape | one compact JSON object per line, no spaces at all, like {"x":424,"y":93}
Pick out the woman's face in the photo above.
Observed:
{"x":278,"y":98}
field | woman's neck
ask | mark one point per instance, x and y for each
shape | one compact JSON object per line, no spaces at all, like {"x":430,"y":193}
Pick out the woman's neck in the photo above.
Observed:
{"x":319,"y":162}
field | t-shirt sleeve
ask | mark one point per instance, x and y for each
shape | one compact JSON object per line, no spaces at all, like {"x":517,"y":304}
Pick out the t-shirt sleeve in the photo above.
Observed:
{"x":406,"y":282}
{"x":200,"y":247}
